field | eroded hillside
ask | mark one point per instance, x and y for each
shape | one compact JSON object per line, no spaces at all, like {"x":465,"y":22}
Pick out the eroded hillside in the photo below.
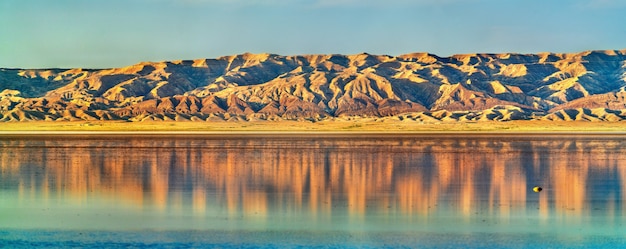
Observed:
{"x":579,"y":86}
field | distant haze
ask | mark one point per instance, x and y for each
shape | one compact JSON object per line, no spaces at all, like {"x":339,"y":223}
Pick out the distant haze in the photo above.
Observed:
{"x":115,"y":33}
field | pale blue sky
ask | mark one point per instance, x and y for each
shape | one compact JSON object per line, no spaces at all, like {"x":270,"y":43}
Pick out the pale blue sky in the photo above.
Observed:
{"x":115,"y":33}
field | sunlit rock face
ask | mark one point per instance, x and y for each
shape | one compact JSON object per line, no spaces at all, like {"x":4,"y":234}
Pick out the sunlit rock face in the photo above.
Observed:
{"x":589,"y":85}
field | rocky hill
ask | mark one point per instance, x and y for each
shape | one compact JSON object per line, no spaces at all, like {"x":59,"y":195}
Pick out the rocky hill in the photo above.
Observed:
{"x":471,"y":87}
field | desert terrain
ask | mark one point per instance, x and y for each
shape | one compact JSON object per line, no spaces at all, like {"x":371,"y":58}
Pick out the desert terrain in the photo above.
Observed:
{"x":416,"y":92}
{"x":341,"y":126}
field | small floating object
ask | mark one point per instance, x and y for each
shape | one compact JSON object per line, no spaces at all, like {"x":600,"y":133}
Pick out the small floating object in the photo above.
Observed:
{"x":537,"y":189}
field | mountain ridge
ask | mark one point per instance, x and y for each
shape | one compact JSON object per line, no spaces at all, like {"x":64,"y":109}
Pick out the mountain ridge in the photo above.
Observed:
{"x":464,"y":87}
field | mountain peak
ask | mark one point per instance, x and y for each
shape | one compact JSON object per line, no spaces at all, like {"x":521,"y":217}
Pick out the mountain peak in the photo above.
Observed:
{"x":267,"y":86}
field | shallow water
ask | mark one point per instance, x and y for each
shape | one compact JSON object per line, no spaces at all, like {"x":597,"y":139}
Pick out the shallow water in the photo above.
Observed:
{"x":312,"y":191}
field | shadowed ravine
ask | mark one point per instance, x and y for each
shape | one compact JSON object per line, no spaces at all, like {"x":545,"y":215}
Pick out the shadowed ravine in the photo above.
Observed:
{"x":586,"y":86}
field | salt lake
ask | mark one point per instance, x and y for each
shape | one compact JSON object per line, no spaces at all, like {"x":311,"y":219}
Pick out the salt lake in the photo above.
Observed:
{"x":313,"y":190}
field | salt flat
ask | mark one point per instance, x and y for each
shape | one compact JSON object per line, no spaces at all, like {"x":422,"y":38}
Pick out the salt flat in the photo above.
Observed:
{"x":353,"y":125}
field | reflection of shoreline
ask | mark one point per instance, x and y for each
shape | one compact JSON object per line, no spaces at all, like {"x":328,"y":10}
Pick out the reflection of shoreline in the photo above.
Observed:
{"x":408,"y":175}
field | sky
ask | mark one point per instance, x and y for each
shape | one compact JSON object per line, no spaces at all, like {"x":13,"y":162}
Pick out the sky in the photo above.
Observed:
{"x":116,"y":33}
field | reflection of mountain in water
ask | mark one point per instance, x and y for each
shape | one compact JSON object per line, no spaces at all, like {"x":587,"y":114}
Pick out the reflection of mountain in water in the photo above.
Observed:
{"x":375,"y":174}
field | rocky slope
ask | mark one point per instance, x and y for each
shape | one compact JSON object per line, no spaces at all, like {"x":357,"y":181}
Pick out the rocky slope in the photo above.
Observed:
{"x":579,"y":86}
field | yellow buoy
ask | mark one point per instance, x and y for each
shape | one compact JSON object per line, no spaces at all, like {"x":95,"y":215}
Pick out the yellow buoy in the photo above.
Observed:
{"x":537,"y":189}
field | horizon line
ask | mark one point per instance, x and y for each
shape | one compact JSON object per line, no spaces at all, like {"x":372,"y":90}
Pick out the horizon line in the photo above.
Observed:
{"x":621,"y":51}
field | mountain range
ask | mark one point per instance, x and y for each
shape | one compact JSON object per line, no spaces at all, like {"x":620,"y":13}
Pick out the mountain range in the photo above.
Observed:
{"x":589,"y":85}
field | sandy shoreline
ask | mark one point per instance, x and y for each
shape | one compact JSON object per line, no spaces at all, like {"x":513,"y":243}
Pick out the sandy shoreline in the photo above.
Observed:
{"x":234,"y":134}
{"x":294,"y":128}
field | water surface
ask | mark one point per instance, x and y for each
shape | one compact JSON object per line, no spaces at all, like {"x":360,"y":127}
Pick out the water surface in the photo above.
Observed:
{"x":312,"y":191}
